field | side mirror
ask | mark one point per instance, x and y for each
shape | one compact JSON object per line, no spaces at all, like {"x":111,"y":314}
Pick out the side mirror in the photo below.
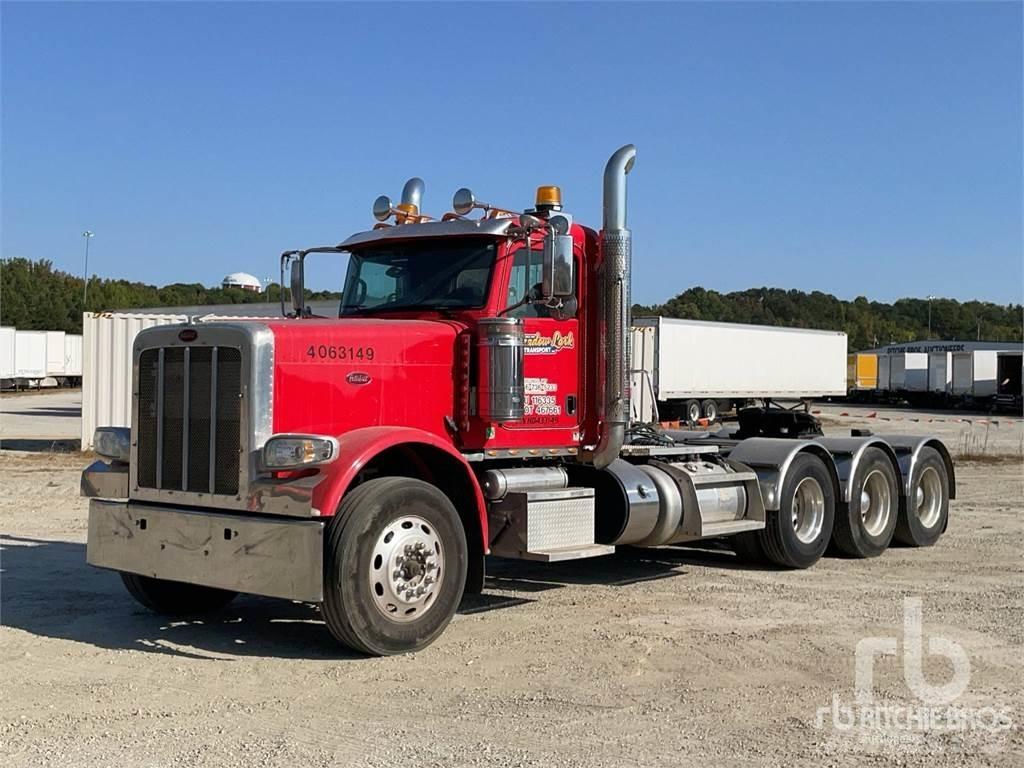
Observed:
{"x":298,"y":287}
{"x":558,"y":279}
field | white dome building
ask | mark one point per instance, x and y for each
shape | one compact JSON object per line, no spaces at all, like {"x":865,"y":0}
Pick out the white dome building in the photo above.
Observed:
{"x":242,"y":280}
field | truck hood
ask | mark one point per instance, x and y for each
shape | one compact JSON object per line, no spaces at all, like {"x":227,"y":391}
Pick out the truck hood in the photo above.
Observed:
{"x":333,"y":376}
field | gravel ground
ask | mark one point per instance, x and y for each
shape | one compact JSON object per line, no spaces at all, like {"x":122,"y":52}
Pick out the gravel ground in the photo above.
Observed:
{"x":661,"y":657}
{"x":39,"y":420}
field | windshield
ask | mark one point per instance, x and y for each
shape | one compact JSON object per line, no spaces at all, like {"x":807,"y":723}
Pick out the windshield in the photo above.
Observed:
{"x":443,"y":274}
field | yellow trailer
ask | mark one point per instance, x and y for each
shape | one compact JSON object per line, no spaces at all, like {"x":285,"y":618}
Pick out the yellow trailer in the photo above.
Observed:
{"x":861,"y":372}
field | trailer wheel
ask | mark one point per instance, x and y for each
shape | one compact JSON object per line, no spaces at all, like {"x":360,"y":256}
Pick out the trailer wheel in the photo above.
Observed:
{"x":924,"y":516}
{"x":797,"y":534}
{"x":395,"y":566}
{"x":711,"y":410}
{"x":693,"y":411}
{"x":173,"y":598}
{"x":865,"y":526}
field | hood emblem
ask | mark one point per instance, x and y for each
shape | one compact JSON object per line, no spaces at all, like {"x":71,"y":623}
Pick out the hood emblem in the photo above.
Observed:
{"x":358,"y":378}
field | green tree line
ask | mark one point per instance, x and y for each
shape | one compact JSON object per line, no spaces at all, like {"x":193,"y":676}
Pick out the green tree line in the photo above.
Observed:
{"x":35,"y":296}
{"x":867,"y":324}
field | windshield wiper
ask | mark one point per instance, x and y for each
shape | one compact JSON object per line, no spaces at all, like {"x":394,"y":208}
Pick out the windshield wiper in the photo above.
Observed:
{"x":392,"y":308}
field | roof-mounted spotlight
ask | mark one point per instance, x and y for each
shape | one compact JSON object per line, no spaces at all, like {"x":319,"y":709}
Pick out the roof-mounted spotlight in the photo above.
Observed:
{"x":464,"y":201}
{"x":382,"y":208}
{"x":407,"y":211}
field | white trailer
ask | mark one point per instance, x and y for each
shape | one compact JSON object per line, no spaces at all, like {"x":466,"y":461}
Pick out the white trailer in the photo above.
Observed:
{"x":73,"y":358}
{"x":107,"y":367}
{"x":884,"y":373}
{"x":697,"y":369}
{"x":6,"y":355}
{"x":29,"y":357}
{"x":908,"y":372}
{"x":55,"y":354}
{"x":974,"y":374}
{"x":940,"y":373}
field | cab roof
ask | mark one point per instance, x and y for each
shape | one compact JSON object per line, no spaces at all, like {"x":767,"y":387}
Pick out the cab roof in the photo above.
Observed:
{"x":455,"y":228}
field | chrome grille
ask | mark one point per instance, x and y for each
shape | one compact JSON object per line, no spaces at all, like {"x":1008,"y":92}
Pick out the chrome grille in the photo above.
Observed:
{"x":189,"y":419}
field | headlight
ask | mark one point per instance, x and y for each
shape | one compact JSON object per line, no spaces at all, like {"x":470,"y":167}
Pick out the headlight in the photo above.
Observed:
{"x":291,"y":451}
{"x":113,"y":442}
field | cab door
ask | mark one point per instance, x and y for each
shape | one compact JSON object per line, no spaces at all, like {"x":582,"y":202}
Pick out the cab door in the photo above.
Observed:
{"x":551,"y":362}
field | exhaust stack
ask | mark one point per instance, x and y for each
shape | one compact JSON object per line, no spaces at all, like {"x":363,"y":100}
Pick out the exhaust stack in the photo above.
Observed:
{"x":614,"y":308}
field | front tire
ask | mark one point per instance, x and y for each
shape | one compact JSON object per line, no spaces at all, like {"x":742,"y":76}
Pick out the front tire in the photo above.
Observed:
{"x":797,"y":534}
{"x":174,"y":598}
{"x":923,"y":518}
{"x":395,"y":566}
{"x":866,"y":525}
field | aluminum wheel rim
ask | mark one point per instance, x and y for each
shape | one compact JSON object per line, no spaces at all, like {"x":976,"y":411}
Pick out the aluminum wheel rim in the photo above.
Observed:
{"x":928,"y":497}
{"x":693,"y":413}
{"x":405,"y":568}
{"x":875,"y":503}
{"x":808,"y":510}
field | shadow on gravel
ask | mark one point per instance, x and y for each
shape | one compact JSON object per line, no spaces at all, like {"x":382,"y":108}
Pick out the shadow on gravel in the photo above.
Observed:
{"x":50,"y":591}
{"x":40,"y":445}
{"x":625,"y":567}
{"x":71,"y":411}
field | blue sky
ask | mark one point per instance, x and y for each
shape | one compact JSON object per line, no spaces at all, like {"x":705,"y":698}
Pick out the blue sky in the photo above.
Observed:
{"x":862,"y":149}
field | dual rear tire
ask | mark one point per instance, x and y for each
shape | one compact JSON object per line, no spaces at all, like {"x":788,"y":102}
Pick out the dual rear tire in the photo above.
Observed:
{"x":925,"y":513}
{"x":865,"y":526}
{"x":797,"y":534}
{"x":809,"y":515}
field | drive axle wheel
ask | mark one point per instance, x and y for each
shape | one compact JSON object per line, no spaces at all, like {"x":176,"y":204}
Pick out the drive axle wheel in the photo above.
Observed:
{"x":395,"y":564}
{"x":173,"y":598}
{"x":796,"y":535}
{"x":866,"y":525}
{"x":923,"y":518}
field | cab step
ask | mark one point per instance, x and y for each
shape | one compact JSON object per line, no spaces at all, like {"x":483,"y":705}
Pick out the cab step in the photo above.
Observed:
{"x":729,"y":527}
{"x":567,"y":553}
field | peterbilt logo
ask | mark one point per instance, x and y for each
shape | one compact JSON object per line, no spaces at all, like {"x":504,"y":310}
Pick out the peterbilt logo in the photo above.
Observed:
{"x":358,"y":377}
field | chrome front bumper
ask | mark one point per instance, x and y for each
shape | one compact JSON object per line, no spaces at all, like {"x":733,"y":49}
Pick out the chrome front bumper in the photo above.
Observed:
{"x":244,"y":553}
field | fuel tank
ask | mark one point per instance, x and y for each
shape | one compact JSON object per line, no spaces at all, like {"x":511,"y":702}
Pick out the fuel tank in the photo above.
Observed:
{"x":333,"y":376}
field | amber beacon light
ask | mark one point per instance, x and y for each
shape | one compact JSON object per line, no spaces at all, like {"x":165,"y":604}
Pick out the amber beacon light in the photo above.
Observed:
{"x":549,"y":198}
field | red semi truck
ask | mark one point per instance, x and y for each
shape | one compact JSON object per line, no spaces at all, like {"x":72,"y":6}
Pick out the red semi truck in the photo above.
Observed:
{"x":471,"y":398}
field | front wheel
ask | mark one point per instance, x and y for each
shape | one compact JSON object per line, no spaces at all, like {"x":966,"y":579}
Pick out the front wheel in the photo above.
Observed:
{"x":174,"y":598}
{"x":395,"y":566}
{"x":797,"y":534}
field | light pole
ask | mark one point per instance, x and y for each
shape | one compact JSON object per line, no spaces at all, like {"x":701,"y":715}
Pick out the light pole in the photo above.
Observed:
{"x":930,"y":298}
{"x":85,"y":288}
